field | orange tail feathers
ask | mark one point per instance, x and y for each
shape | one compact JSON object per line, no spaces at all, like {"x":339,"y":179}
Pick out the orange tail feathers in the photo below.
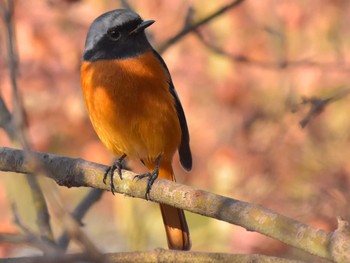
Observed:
{"x":176,"y":229}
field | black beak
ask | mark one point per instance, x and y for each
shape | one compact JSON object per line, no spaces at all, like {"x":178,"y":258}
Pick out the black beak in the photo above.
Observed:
{"x":142,"y":26}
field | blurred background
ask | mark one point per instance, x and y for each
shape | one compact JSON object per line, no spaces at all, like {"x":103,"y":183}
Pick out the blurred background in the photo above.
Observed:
{"x":241,"y":79}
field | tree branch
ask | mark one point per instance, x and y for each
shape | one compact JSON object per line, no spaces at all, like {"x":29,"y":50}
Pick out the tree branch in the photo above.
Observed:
{"x":79,"y":212}
{"x":44,"y":244}
{"x":15,"y":126}
{"x":271,"y":65}
{"x":15,"y":123}
{"x":77,"y":172}
{"x":33,"y":240}
{"x":6,"y":119}
{"x":317,"y":105}
{"x":156,"y":255}
{"x":188,"y":29}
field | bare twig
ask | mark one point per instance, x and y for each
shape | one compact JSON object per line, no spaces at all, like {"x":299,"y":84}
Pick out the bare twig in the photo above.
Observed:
{"x":317,"y":105}
{"x":271,"y":65}
{"x":188,"y":29}
{"x":18,"y":124}
{"x":90,"y":199}
{"x":189,"y":17}
{"x":18,"y":111}
{"x":72,"y":226}
{"x":6,"y":119}
{"x":32,"y":240}
{"x":13,"y":238}
{"x":125,"y":4}
{"x":77,"y":172}
{"x":17,"y":121}
{"x":45,"y":245}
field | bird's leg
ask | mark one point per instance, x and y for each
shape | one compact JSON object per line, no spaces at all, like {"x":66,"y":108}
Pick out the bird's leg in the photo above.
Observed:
{"x":117,"y":165}
{"x":152,"y":176}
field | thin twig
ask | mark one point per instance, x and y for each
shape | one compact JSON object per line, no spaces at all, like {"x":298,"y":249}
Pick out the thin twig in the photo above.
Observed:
{"x":6,"y":120}
{"x":45,"y":245}
{"x":72,"y":226}
{"x":125,"y":4}
{"x":32,"y":240}
{"x":79,"y":212}
{"x":317,"y":105}
{"x":188,"y":29}
{"x":17,"y":121}
{"x":271,"y":65}
{"x":18,"y":111}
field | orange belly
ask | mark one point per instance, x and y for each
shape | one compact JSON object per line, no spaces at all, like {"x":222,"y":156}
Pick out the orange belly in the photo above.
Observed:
{"x":130,"y":106}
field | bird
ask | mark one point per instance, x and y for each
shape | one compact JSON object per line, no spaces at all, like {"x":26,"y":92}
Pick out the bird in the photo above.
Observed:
{"x":134,"y":107}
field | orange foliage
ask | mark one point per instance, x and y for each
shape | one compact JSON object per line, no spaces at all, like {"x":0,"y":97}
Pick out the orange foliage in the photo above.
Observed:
{"x":246,"y":141}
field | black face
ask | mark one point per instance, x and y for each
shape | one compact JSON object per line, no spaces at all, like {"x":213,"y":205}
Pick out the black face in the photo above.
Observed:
{"x":116,"y":34}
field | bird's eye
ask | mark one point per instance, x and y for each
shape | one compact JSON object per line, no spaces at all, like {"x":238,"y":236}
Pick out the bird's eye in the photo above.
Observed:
{"x":114,"y":34}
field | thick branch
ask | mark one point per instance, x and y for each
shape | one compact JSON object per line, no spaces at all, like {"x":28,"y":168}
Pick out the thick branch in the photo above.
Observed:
{"x":77,"y":172}
{"x":157,"y":255}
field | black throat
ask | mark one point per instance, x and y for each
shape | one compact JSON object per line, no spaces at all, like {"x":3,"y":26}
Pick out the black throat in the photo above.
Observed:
{"x":105,"y":49}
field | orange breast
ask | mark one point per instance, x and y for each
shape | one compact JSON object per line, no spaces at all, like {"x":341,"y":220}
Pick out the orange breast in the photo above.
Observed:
{"x":130,"y":106}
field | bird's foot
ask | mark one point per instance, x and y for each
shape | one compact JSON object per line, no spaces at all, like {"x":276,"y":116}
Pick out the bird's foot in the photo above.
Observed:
{"x":116,"y":166}
{"x":152,"y":176}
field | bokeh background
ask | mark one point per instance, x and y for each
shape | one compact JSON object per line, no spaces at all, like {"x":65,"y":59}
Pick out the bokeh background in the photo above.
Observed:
{"x":241,"y":81}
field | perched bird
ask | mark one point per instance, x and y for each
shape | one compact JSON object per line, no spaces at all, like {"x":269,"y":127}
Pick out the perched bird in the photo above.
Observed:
{"x":133,"y":106}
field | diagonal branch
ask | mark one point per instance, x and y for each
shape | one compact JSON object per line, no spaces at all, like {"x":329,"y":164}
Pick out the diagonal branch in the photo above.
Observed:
{"x":188,"y":29}
{"x":45,"y":245}
{"x":79,"y":212}
{"x":77,"y":172}
{"x":317,"y":105}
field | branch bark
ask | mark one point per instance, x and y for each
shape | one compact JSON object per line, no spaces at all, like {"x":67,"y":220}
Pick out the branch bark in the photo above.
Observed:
{"x":77,"y":172}
{"x":156,"y":255}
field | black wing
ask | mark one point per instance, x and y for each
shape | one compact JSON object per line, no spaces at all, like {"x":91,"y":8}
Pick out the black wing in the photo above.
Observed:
{"x":184,"y":149}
